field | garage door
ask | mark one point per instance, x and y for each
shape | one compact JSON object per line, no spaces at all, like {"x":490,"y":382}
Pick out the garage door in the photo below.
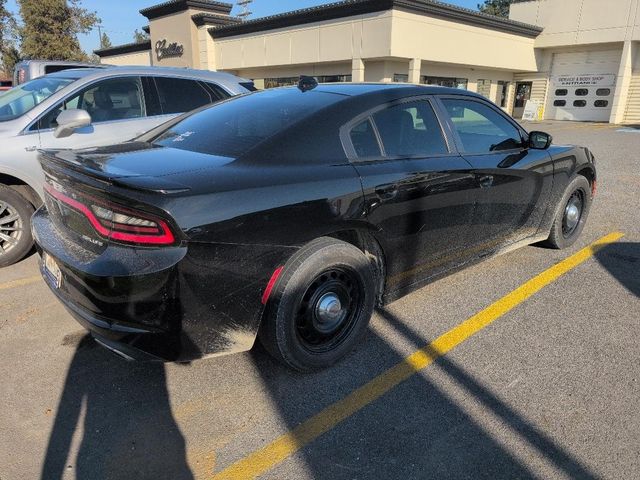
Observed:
{"x":582,"y":85}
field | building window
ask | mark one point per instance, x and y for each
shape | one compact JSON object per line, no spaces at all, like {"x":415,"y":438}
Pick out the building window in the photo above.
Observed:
{"x":503,"y":93}
{"x":484,"y":88}
{"x":561,"y":92}
{"x":288,"y":81}
{"x":582,"y":92}
{"x":450,"y":82}
{"x":280,"y":82}
{"x":333,"y":78}
{"x":601,"y":103}
{"x":400,"y":78}
{"x":580,"y":103}
{"x":559,"y":103}
{"x":603,"y":92}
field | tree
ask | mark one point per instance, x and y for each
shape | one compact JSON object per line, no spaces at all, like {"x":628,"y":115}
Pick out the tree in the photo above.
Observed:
{"x":105,"y":41}
{"x":9,"y":54}
{"x":139,"y":36}
{"x":50,"y":29}
{"x":499,"y":8}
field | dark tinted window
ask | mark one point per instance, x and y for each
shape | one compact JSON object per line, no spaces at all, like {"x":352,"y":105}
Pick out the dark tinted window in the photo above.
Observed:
{"x":601,"y":103}
{"x":410,"y":129}
{"x":481,"y":128}
{"x":582,"y":92}
{"x":105,"y":101}
{"x":559,"y":103}
{"x":561,"y":92}
{"x":580,"y":103}
{"x":603,"y":92}
{"x":364,"y":140}
{"x":179,"y":95}
{"x":233,"y":127}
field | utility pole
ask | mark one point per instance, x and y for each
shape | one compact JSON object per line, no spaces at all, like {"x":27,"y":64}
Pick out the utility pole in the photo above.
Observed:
{"x":244,"y":4}
{"x":99,"y":36}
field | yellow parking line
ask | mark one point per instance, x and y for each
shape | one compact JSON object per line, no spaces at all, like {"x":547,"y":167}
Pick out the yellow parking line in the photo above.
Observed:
{"x":20,"y":283}
{"x":269,"y":456}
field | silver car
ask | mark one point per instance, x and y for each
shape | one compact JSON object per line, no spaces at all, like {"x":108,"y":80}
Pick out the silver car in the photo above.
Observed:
{"x":83,"y":108}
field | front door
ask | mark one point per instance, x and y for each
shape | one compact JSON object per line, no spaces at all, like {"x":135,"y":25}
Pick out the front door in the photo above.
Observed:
{"x":510,"y":178}
{"x":117,"y":109}
{"x":523,"y":93}
{"x":417,"y":190}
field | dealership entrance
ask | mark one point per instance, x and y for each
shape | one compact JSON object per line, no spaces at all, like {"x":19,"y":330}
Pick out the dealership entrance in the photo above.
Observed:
{"x":582,"y":85}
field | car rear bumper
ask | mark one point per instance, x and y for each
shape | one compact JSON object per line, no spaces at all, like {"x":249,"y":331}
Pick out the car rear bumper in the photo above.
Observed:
{"x":167,"y":303}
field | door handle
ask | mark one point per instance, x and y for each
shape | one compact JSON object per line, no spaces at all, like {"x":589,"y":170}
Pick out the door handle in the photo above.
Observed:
{"x":486,"y":181}
{"x":387,"y":192}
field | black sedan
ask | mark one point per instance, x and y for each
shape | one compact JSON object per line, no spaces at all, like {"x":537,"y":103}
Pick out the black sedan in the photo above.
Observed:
{"x":289,"y":214}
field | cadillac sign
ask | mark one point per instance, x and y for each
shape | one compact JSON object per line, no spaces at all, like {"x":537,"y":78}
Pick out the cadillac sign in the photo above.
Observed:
{"x":168,"y":50}
{"x":600,"y":80}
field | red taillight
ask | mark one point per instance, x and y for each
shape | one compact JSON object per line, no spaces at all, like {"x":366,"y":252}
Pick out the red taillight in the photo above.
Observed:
{"x":21,"y":74}
{"x":594,"y":188}
{"x":118,"y":223}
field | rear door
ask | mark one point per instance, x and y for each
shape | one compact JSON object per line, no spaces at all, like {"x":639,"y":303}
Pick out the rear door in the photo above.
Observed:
{"x":417,"y":188}
{"x":511,"y":181}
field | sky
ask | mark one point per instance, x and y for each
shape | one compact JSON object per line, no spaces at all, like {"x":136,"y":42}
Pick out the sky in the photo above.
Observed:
{"x":121,"y":17}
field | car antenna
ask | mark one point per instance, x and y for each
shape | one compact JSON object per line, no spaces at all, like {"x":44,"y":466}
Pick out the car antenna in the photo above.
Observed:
{"x":307,"y":83}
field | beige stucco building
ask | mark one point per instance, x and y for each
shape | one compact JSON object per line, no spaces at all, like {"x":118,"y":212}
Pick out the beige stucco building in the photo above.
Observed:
{"x":574,"y":59}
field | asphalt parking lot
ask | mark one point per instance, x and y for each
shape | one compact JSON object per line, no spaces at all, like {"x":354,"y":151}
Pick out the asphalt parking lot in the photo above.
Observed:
{"x":540,"y":383}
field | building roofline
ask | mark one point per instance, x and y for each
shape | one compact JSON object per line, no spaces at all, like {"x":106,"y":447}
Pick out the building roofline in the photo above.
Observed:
{"x":123,"y":49}
{"x":175,"y":6}
{"x":347,"y":8}
{"x":214,"y":19}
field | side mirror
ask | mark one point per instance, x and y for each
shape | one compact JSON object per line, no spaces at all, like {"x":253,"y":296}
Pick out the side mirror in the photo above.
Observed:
{"x":540,"y":140}
{"x":70,"y":120}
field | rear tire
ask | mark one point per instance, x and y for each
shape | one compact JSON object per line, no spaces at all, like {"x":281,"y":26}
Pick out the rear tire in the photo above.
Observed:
{"x":15,"y":226}
{"x":320,"y":306}
{"x":571,"y":215}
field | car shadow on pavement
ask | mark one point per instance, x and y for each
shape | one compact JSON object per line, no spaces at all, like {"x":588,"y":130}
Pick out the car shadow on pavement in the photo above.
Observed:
{"x":622,"y":261}
{"x":414,"y":431}
{"x":128,"y":430}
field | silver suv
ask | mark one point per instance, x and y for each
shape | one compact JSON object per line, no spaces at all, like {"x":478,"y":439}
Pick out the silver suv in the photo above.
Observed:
{"x":84,"y":108}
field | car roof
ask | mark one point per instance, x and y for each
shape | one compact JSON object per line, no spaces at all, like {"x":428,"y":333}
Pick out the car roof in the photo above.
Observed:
{"x":142,"y":70}
{"x":356,"y":89}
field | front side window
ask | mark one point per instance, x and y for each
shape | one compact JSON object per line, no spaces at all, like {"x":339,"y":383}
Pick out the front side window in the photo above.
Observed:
{"x":179,"y":95}
{"x":105,"y":101}
{"x":24,"y":98}
{"x":480,"y":128}
{"x":410,"y":129}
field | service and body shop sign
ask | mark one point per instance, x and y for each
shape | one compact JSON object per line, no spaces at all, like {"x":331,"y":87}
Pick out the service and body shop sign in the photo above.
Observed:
{"x":599,"y":80}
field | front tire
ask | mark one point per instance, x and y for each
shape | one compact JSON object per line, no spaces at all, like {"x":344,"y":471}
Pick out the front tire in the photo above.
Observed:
{"x":15,"y":226}
{"x":571,"y":215}
{"x":320,"y":306}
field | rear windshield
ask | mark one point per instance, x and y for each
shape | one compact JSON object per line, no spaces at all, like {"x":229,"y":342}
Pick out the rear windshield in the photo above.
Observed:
{"x":234,"y":127}
{"x":23,"y":98}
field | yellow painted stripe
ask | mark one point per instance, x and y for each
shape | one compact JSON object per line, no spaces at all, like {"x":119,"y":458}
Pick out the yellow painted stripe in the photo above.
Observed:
{"x":275,"y":452}
{"x":20,"y":283}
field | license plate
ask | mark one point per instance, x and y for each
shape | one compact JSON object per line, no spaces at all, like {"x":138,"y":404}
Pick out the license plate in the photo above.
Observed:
{"x":52,"y":270}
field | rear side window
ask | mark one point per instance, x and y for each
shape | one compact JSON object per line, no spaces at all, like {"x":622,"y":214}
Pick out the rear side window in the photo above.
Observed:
{"x":235,"y":126}
{"x":480,"y":128}
{"x":179,"y":95}
{"x":410,"y":129}
{"x":364,"y":141}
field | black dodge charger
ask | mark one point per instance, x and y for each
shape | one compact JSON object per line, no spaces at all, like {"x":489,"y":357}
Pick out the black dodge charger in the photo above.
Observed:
{"x":289,"y":214}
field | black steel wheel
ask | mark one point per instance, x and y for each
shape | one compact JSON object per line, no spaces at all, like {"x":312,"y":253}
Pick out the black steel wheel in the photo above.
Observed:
{"x":571,"y":214}
{"x":320,"y":306}
{"x":15,"y":228}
